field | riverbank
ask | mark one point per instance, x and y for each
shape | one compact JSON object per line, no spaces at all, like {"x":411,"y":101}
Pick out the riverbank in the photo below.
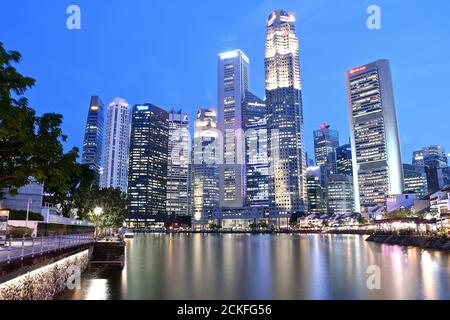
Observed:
{"x":259,"y":232}
{"x":412,"y":241}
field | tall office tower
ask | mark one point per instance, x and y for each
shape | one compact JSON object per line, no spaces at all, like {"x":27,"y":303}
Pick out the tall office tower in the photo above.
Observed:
{"x":434,"y":160}
{"x":340,"y":194}
{"x":117,"y":143}
{"x":206,"y":156}
{"x":415,"y":180}
{"x":326,"y":141}
{"x":147,"y":174}
{"x":377,"y":160}
{"x":287,"y":154}
{"x":178,"y":164}
{"x":93,"y":137}
{"x":257,"y":164}
{"x":315,"y":190}
{"x":344,"y":160}
{"x":233,"y":83}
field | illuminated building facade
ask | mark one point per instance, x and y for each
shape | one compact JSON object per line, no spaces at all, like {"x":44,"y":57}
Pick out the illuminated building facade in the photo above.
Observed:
{"x":147,"y":176}
{"x":115,"y":162}
{"x":287,"y":158}
{"x":344,"y":163}
{"x":326,"y":141}
{"x":340,"y":195}
{"x":377,"y":162}
{"x":93,"y":137}
{"x":415,"y":179}
{"x":206,"y":155}
{"x":233,"y":83}
{"x":434,"y":160}
{"x":178,"y":164}
{"x":256,"y":159}
{"x":316,"y":203}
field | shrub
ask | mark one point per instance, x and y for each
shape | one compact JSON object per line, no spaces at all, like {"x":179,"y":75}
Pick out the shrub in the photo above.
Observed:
{"x":19,"y":232}
{"x":22,"y":215}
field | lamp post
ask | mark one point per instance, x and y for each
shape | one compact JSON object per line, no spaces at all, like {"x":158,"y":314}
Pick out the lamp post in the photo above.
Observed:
{"x":97,"y":211}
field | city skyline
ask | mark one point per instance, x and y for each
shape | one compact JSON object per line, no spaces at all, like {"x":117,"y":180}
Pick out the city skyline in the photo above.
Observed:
{"x":77,"y":91}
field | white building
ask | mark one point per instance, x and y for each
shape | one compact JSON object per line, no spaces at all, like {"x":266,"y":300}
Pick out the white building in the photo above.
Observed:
{"x":178,"y":164}
{"x":377,"y":160}
{"x":233,"y":83}
{"x":115,"y":166}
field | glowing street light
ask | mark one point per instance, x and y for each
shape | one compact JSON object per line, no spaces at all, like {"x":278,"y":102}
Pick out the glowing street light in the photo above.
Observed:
{"x":97,"y":211}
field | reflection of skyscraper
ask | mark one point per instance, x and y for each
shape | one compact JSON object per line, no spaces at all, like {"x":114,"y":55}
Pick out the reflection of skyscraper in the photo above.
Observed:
{"x":233,"y":83}
{"x":147,"y":175}
{"x":377,"y":163}
{"x":93,"y":137}
{"x":204,"y":169}
{"x":287,"y":187}
{"x":257,"y":165}
{"x":115,"y":164}
{"x":178,"y":164}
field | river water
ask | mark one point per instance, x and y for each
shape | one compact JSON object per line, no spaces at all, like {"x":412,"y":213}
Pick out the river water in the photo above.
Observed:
{"x":287,"y":267}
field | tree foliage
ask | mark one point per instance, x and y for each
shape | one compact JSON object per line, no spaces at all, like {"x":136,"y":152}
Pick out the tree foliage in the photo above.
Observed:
{"x":30,"y":145}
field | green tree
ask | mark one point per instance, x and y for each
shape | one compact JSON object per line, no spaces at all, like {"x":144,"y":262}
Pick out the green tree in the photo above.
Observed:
{"x":30,"y":146}
{"x":113,"y":203}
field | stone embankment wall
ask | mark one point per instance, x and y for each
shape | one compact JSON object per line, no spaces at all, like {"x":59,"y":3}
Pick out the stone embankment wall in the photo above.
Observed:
{"x":46,"y":282}
{"x":412,"y":241}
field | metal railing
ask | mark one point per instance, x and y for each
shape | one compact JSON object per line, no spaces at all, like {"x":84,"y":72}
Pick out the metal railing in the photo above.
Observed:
{"x":20,"y":248}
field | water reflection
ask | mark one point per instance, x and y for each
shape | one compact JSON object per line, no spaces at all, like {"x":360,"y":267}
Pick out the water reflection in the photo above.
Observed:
{"x":267,"y":267}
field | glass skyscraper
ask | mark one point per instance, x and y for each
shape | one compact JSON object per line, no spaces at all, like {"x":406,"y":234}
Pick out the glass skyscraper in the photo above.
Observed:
{"x":287,"y":159}
{"x":178,"y":164}
{"x":340,"y":195}
{"x":316,"y":203}
{"x":377,"y":161}
{"x":344,"y":160}
{"x":115,"y":163}
{"x":147,"y":175}
{"x":233,"y":83}
{"x":434,"y":160}
{"x":206,"y":155}
{"x":256,"y":159}
{"x":415,"y":180}
{"x":93,"y":137}
{"x":326,"y":141}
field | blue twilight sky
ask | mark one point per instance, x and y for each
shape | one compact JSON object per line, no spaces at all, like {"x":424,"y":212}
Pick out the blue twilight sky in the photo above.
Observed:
{"x":165,"y":52}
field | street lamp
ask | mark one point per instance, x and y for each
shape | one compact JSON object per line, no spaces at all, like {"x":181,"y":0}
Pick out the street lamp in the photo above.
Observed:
{"x":97,"y":211}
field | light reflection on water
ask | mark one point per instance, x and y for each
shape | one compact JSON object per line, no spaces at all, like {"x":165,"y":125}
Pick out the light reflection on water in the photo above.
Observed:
{"x":292,"y":267}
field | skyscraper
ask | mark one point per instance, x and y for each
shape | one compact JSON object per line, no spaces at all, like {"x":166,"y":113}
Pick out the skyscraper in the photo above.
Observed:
{"x":377,"y":161}
{"x":206,"y":155}
{"x":178,"y":164}
{"x":326,"y":141}
{"x":434,"y":160}
{"x":147,"y":175}
{"x":340,"y":194}
{"x":93,"y":137}
{"x":415,"y":180}
{"x":287,"y":160}
{"x":115,"y":162}
{"x":256,"y":160}
{"x":316,"y":203}
{"x":233,"y":83}
{"x":344,"y":160}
